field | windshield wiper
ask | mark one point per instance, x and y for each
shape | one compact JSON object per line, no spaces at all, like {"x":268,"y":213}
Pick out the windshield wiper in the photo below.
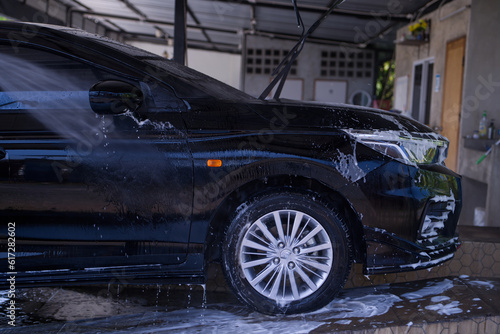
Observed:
{"x":281,"y":72}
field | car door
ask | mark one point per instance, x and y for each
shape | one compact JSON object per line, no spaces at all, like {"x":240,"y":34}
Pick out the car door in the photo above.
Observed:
{"x":89,"y":189}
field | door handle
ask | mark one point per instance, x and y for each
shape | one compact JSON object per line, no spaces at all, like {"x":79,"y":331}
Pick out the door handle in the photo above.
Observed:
{"x":3,"y":154}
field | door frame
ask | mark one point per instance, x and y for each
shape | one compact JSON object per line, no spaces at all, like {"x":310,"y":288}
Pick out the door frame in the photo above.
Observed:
{"x":423,"y":96}
{"x":456,"y":141}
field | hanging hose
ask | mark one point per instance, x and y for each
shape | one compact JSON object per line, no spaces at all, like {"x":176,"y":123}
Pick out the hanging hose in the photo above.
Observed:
{"x":487,"y":152}
{"x":283,"y":68}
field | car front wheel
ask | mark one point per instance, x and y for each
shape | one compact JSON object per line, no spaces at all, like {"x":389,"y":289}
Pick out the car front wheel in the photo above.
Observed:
{"x":286,"y":253}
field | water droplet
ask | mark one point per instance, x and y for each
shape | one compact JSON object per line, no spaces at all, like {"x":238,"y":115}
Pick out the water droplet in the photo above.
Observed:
{"x":204,"y":302}
{"x":190,"y":294}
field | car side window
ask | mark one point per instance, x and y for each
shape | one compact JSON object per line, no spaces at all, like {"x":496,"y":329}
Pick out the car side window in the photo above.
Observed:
{"x":31,"y":70}
{"x":43,"y":89}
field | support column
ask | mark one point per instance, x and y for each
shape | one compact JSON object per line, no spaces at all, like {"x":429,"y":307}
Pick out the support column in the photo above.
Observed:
{"x":180,"y":31}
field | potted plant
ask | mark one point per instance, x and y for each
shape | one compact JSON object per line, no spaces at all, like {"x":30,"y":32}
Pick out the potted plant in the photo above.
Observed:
{"x":419,"y":30}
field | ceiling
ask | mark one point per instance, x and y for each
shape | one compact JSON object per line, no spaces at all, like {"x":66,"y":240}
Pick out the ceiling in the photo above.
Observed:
{"x":220,"y":25}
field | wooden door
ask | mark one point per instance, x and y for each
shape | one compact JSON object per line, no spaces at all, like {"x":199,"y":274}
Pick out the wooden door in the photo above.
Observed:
{"x":452,"y":97}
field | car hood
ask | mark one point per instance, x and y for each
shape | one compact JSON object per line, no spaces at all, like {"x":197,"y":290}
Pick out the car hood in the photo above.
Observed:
{"x":312,"y":115}
{"x":298,"y":116}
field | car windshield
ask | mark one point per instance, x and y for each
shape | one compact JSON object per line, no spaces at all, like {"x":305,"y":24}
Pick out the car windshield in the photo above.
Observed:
{"x":186,"y":81}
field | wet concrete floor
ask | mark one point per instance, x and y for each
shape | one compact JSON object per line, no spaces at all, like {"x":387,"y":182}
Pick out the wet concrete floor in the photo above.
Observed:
{"x":189,"y":309}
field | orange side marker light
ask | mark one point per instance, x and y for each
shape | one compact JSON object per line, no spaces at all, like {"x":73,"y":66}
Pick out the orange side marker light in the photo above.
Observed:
{"x":214,"y":163}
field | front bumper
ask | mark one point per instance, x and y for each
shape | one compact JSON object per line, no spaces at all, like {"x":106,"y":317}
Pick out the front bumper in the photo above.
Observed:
{"x":386,"y":253}
{"x":414,"y":215}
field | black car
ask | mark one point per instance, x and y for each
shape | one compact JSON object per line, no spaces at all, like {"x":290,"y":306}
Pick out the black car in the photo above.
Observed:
{"x":120,"y":164}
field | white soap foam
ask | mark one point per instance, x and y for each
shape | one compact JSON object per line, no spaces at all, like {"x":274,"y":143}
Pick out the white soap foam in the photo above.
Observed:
{"x":433,"y":288}
{"x":445,"y":309}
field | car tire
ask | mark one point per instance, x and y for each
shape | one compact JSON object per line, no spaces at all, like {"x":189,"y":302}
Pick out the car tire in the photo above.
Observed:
{"x":286,"y":253}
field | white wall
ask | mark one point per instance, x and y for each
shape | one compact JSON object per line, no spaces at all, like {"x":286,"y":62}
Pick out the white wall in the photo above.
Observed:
{"x":482,"y":70}
{"x":221,"y":66}
{"x":308,"y":69}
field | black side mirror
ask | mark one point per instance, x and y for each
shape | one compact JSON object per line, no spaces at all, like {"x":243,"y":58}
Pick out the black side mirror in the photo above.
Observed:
{"x":114,"y":97}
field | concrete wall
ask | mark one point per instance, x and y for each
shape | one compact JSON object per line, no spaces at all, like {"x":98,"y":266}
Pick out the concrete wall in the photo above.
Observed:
{"x":308,"y":68}
{"x":221,"y":66}
{"x":482,"y":69}
{"x":481,"y":92}
{"x":444,"y":28}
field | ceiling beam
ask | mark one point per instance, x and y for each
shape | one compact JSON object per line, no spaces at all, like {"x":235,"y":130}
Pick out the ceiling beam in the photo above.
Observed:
{"x":321,"y":9}
{"x":134,"y":9}
{"x":150,"y":21}
{"x":198,"y":23}
{"x":195,"y":44}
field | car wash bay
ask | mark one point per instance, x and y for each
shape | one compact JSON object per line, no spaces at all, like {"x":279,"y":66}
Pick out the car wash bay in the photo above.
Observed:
{"x":460,"y":296}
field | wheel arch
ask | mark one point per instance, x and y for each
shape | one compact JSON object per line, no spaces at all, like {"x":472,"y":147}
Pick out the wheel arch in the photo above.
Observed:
{"x":298,"y":184}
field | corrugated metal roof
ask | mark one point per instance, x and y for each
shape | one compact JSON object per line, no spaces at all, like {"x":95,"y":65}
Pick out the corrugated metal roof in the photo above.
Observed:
{"x":220,"y":24}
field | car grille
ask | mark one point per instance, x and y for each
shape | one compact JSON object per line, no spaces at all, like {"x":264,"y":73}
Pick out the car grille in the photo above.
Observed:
{"x":436,"y":217}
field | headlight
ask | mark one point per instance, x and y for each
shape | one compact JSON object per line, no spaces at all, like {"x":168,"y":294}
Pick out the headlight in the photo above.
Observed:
{"x":421,"y":148}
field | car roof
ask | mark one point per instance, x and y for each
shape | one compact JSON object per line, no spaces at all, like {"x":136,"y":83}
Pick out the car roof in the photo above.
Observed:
{"x":31,"y":27}
{"x":195,"y":83}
